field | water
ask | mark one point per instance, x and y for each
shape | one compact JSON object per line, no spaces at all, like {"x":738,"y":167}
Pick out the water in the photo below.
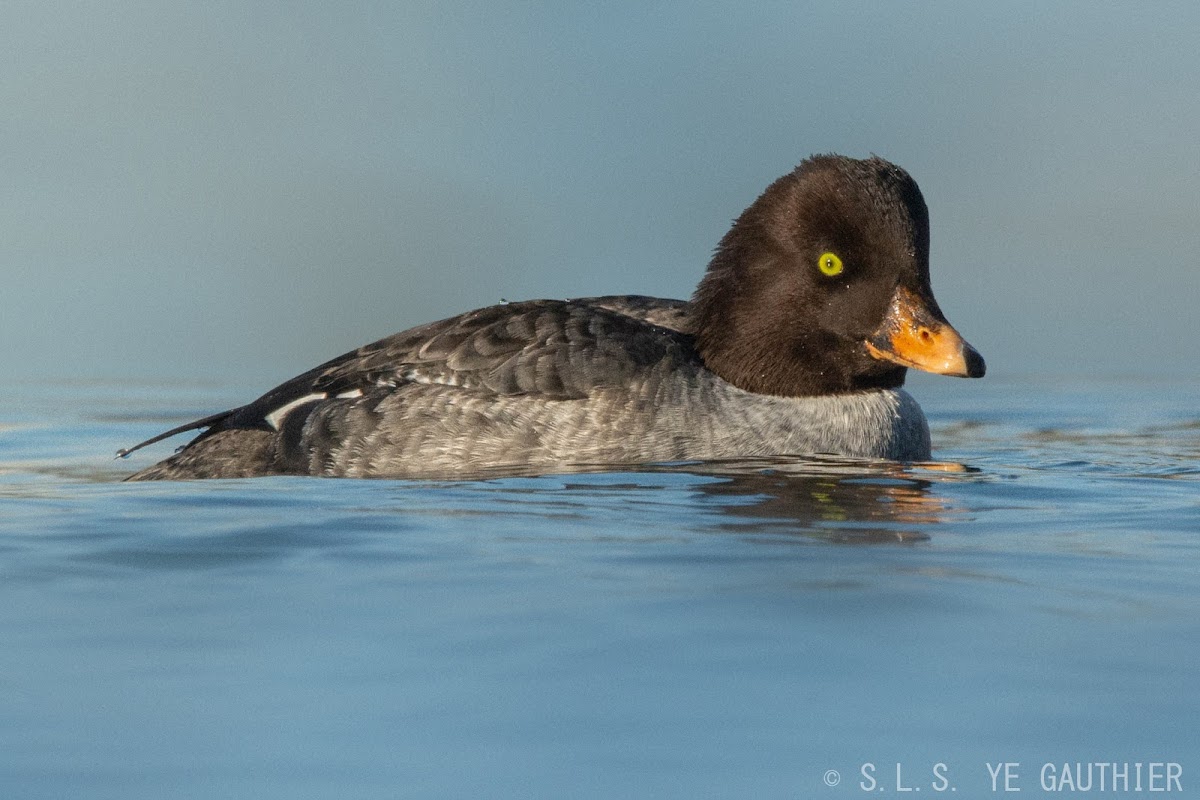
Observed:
{"x":730,"y":630}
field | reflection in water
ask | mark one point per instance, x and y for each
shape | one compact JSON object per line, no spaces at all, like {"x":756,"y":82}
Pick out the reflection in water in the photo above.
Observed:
{"x":832,"y":499}
{"x":814,"y":497}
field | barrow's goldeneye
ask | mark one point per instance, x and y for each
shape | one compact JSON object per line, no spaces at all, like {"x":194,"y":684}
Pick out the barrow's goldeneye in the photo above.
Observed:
{"x":795,"y":342}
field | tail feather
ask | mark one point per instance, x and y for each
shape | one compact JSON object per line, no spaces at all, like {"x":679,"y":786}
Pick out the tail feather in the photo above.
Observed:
{"x":207,"y":422}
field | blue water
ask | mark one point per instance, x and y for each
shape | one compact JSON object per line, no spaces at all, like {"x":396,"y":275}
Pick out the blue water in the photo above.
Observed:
{"x":729,"y":630}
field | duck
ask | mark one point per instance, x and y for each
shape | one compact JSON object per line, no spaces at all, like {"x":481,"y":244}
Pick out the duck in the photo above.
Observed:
{"x":796,"y":342}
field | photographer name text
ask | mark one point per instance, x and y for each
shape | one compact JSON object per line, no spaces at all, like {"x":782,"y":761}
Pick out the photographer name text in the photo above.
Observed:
{"x":1015,"y":776}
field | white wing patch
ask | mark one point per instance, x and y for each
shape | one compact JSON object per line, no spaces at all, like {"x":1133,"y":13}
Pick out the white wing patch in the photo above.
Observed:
{"x":276,"y":417}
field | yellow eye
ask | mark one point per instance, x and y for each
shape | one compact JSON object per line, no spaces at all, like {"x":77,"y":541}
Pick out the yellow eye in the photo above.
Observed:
{"x":830,"y":264}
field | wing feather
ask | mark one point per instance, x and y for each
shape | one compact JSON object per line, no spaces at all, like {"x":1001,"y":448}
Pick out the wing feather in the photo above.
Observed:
{"x":551,"y":349}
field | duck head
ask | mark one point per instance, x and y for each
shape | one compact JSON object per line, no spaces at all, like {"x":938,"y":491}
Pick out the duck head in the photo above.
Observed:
{"x":822,"y":287}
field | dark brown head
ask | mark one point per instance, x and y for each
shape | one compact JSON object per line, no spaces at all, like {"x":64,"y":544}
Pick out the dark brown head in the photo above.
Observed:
{"x":822,"y":286}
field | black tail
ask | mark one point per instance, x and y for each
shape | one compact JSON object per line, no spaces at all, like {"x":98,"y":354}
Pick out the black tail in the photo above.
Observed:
{"x":207,"y":422}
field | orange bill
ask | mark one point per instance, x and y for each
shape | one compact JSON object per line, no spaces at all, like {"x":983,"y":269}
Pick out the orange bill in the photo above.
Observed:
{"x":914,"y":335}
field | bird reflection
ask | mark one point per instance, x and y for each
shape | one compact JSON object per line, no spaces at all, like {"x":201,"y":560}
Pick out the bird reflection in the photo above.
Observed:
{"x":814,"y":497}
{"x":830,"y":499}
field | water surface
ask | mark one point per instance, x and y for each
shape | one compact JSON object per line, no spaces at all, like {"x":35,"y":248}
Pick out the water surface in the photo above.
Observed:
{"x":694,"y":630}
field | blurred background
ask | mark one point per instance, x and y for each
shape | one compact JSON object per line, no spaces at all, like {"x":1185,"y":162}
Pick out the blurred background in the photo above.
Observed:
{"x":234,"y":191}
